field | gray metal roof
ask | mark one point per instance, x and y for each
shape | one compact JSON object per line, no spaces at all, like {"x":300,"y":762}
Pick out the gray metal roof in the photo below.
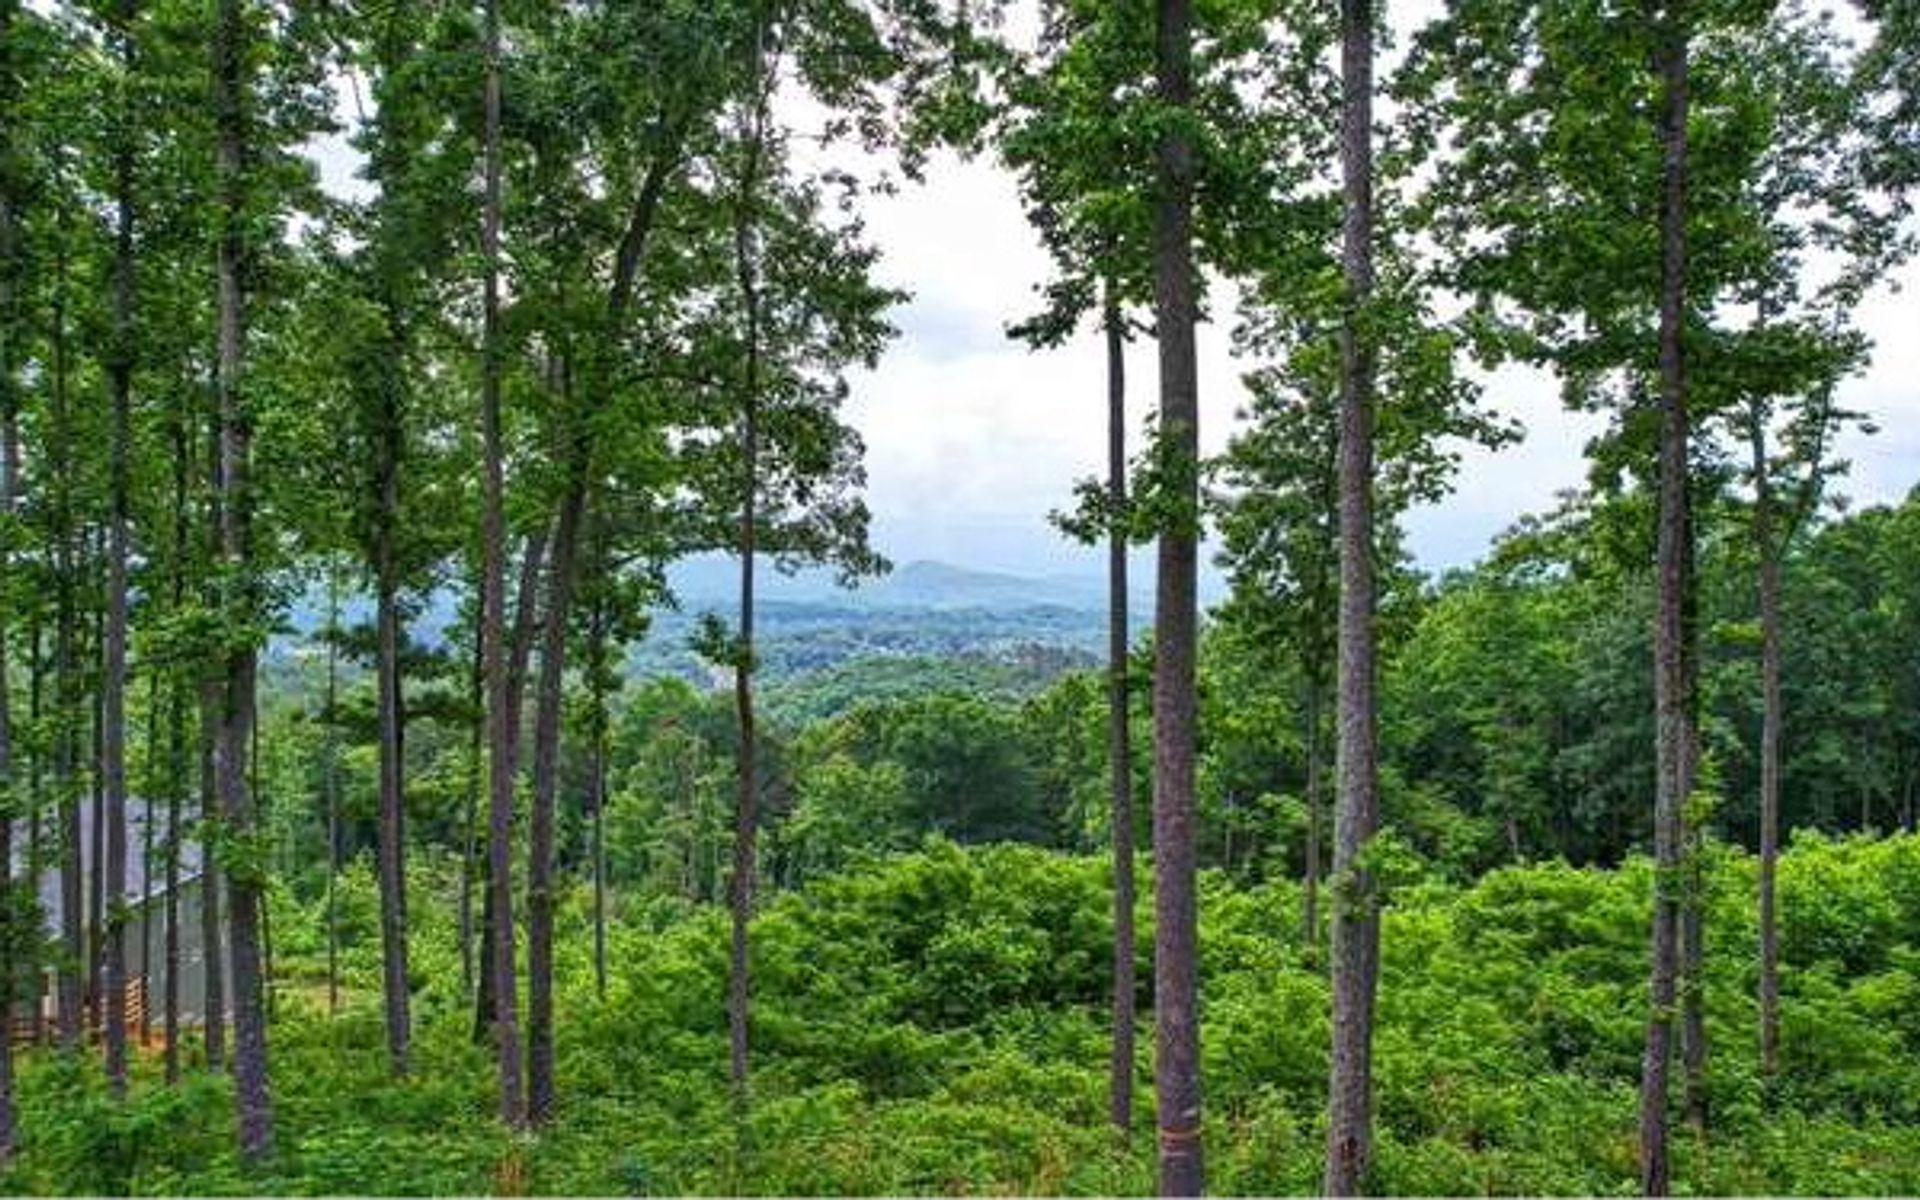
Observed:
{"x":139,"y":815}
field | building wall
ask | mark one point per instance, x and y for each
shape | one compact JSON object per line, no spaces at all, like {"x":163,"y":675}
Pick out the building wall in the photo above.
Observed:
{"x":146,"y":930}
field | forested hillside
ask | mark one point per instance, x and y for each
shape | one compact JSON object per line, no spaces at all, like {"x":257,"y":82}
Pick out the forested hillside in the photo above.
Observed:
{"x":461,"y":729}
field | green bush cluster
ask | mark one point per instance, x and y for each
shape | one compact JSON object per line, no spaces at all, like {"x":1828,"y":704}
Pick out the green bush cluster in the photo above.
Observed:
{"x":935,"y":1022}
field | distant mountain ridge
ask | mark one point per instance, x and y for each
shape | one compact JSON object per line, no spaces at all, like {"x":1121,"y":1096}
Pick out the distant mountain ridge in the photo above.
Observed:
{"x":712,"y":581}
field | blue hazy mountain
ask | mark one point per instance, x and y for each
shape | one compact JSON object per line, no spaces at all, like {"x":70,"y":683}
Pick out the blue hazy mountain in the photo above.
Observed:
{"x":712,"y":581}
{"x":807,"y":622}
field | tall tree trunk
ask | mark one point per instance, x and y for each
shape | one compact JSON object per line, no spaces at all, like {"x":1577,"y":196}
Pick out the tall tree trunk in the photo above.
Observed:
{"x":519,"y":652}
{"x":506,"y":1020}
{"x":746,"y":259}
{"x":747,"y":803}
{"x":330,"y":781}
{"x":213,"y":927}
{"x":551,"y":694}
{"x":1356,"y":918}
{"x":113,"y":683}
{"x":69,"y":981}
{"x":36,"y":808}
{"x":253,"y":1107}
{"x":1119,"y":730}
{"x":177,"y":757}
{"x":148,"y":859}
{"x":96,"y":855}
{"x":13,"y":942}
{"x":1672,"y":703}
{"x":393,"y":802}
{"x":1176,"y":925}
{"x":170,"y":950}
{"x":215,"y":940}
{"x":597,"y":668}
{"x":476,"y":775}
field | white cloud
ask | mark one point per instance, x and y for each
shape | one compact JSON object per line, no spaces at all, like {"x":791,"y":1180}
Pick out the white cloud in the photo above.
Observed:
{"x":972,"y":438}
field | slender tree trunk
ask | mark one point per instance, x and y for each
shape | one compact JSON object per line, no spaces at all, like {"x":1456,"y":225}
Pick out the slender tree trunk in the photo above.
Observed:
{"x":746,"y":257}
{"x":36,"y":807}
{"x":546,"y":787}
{"x":1310,"y":893}
{"x":113,"y":683}
{"x":331,"y":782}
{"x":215,"y":940}
{"x":96,"y":856}
{"x":597,"y":687}
{"x":176,"y":792}
{"x":213,"y":928}
{"x":746,"y":814}
{"x":1356,"y":918}
{"x":393,"y":803}
{"x":253,"y":1106}
{"x":13,"y":942}
{"x":177,"y":758}
{"x":1119,"y":730}
{"x":69,"y":981}
{"x":476,"y":748}
{"x":1673,"y":706}
{"x":263,"y":821}
{"x":1176,"y":926}
{"x":1693,"y":900}
{"x":506,"y":1020}
{"x":518,"y":654}
{"x":147,"y":860}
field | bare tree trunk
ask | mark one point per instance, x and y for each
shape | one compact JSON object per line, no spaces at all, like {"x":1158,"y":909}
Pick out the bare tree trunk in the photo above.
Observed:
{"x":1119,"y":730}
{"x":597,"y":668}
{"x":177,"y":755}
{"x":519,"y":652}
{"x":13,"y":942}
{"x":113,"y":683}
{"x":746,"y":813}
{"x":506,"y":1020}
{"x":176,"y":789}
{"x":747,"y":804}
{"x":1673,"y":704}
{"x":147,"y":861}
{"x":577,"y":455}
{"x":392,"y":718}
{"x":213,"y":929}
{"x":1176,"y":927}
{"x":331,"y":782}
{"x":254,"y":1111}
{"x":95,"y":863}
{"x":1356,"y":918}
{"x":69,"y":981}
{"x":36,"y":807}
{"x":551,"y":693}
{"x":477,"y":698}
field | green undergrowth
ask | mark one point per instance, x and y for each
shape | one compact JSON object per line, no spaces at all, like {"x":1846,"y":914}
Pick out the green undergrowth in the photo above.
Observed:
{"x":936,"y":1023}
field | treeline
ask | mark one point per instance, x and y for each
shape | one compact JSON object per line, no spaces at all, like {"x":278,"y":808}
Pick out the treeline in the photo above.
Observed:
{"x":1518,"y":716}
{"x":591,"y":251}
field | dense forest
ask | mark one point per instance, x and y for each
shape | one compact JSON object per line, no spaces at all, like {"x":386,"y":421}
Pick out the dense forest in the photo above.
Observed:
{"x":379,"y":812}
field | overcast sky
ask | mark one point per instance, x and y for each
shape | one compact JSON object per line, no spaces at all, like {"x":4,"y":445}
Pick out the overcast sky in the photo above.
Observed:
{"x":972,"y":439}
